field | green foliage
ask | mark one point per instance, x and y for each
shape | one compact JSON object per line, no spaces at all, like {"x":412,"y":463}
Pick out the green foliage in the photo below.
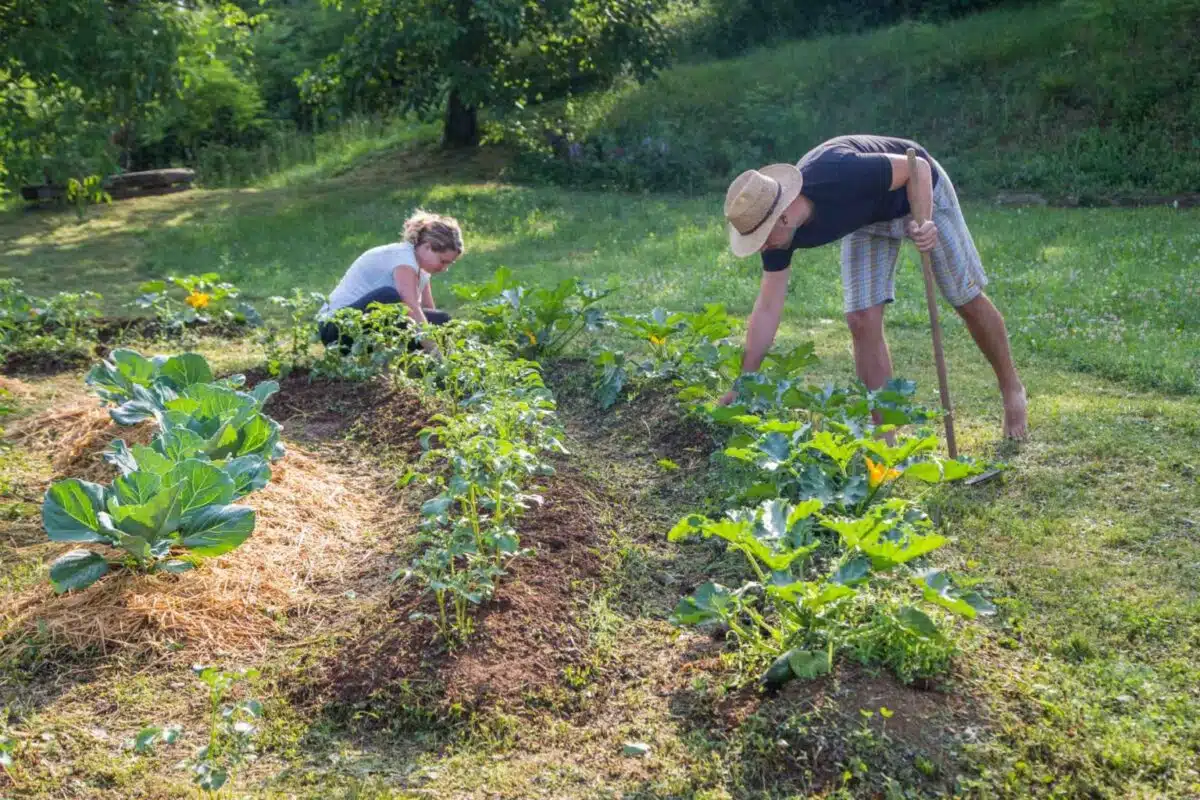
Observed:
{"x":823,"y":533}
{"x":729,"y":27}
{"x":81,"y":78}
{"x":231,"y":728}
{"x":539,"y":322}
{"x":418,"y":54}
{"x":61,"y":325}
{"x":683,"y":348}
{"x":290,"y":348}
{"x":1040,"y":98}
{"x":88,"y":192}
{"x":173,"y":501}
{"x":148,"y":518}
{"x":205,"y":299}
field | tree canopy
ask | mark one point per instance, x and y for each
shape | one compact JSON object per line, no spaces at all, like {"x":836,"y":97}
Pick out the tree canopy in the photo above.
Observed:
{"x":465,"y":55}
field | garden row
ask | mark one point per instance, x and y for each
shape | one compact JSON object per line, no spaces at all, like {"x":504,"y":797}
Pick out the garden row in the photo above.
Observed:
{"x":62,"y":328}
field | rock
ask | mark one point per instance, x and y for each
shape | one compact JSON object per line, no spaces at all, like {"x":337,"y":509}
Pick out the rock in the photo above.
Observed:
{"x":1021,"y":199}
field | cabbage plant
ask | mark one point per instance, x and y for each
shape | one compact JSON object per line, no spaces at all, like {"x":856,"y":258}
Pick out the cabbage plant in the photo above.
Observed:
{"x":155,"y":521}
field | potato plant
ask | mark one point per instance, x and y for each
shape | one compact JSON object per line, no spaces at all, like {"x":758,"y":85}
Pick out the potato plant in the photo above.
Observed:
{"x":61,"y":325}
{"x":482,"y":458}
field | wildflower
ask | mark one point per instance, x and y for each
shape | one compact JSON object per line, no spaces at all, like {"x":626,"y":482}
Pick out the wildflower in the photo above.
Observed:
{"x":879,"y":473}
{"x":197,"y":300}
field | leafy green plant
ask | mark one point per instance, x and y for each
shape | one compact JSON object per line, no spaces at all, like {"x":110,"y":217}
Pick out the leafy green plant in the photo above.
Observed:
{"x":792,"y":612}
{"x":154,"y":521}
{"x":153,"y":735}
{"x":685,"y":348}
{"x":62,"y":325}
{"x":541,"y":322}
{"x":231,"y":728}
{"x":88,"y":192}
{"x":117,"y":378}
{"x":290,"y":347}
{"x":370,"y":343}
{"x":178,"y":302}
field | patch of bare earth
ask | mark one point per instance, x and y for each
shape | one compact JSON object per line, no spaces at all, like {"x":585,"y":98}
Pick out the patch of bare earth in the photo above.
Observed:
{"x":524,"y":637}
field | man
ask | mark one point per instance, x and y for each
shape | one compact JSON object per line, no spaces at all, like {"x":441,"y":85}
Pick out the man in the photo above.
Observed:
{"x":855,"y":188}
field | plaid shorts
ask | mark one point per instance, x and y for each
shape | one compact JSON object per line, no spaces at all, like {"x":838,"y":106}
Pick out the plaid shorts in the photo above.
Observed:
{"x":869,"y":256}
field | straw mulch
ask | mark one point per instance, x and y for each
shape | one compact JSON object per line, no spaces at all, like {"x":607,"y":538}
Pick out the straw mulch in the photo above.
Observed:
{"x":76,"y":436}
{"x":307,"y":551}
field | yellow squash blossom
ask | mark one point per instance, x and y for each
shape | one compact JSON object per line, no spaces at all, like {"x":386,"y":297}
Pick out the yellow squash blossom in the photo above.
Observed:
{"x":197,"y":300}
{"x":532,"y":338}
{"x":658,"y":340}
{"x":879,"y":473}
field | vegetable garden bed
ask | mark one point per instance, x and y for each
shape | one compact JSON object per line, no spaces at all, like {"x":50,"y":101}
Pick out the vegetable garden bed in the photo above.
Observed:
{"x":427,"y":549}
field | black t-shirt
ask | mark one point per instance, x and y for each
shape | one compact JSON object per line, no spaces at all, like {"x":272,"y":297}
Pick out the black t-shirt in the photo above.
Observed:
{"x":848,"y":180}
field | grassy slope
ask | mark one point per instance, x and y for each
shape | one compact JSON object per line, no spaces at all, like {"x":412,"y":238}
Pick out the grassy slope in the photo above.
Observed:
{"x":1087,"y":682}
{"x":1084,"y":97}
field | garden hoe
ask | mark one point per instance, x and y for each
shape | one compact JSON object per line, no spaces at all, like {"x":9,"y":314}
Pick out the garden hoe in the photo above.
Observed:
{"x":938,"y":356}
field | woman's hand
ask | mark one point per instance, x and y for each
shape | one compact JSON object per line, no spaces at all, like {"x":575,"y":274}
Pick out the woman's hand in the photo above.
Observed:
{"x":726,"y":398}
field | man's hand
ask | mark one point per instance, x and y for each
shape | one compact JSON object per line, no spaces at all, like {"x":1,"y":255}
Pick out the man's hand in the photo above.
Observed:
{"x":726,"y":398}
{"x":925,"y":236}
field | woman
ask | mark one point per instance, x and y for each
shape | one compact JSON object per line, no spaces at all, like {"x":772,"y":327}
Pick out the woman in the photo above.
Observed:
{"x":398,"y":273}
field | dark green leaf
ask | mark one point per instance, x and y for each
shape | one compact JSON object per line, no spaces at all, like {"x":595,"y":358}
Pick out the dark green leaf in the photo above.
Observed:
{"x":186,"y":369}
{"x":809,"y":663}
{"x":201,"y":483}
{"x":136,"y":488}
{"x":218,"y":529}
{"x":249,"y":474}
{"x":69,"y":511}
{"x":77,"y":569}
{"x":918,"y":622}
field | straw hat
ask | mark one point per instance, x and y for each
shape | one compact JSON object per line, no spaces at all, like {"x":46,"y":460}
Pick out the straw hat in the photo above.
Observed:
{"x":754,"y":202}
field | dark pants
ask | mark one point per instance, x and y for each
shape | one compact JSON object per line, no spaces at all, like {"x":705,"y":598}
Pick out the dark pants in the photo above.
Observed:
{"x":387,"y":295}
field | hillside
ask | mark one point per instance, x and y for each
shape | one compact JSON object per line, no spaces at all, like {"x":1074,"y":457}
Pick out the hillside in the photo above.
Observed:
{"x":1075,"y":99}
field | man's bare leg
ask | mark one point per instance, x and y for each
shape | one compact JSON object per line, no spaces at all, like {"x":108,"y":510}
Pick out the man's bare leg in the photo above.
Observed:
{"x":987,"y":328}
{"x":872,"y":360}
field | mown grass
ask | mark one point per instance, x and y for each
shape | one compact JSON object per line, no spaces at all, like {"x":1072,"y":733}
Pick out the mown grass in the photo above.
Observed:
{"x":1113,"y":292}
{"x":1083,"y":686}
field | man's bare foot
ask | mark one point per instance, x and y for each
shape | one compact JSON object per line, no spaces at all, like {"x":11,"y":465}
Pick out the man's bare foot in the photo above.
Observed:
{"x":1015,"y":415}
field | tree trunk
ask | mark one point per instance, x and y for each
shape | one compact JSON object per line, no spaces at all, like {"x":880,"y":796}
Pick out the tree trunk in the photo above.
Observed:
{"x":462,"y":123}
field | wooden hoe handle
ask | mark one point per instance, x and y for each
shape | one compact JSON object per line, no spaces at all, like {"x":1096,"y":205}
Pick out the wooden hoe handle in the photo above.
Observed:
{"x":939,"y":356}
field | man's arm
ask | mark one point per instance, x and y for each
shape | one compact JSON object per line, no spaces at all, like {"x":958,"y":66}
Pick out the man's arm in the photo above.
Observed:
{"x":763,"y":323}
{"x":764,"y":319}
{"x":920,"y":193}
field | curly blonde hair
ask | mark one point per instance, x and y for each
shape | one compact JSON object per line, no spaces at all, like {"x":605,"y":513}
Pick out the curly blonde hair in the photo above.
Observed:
{"x":442,"y":233}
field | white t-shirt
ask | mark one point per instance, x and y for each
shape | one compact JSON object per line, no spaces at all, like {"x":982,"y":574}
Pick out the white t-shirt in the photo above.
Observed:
{"x":374,"y":270}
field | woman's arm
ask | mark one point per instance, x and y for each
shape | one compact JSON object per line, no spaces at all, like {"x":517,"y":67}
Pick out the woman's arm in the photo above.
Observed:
{"x":427,"y":297}
{"x":407,"y":284}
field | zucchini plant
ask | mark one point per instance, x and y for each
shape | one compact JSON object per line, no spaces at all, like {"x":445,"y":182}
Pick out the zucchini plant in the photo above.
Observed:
{"x":540,"y":322}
